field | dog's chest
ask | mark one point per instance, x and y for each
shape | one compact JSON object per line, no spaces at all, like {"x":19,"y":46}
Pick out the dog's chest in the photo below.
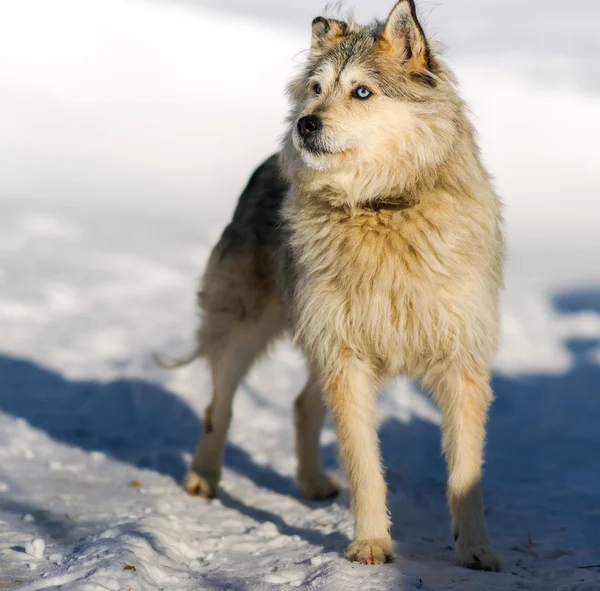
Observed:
{"x":375,"y":280}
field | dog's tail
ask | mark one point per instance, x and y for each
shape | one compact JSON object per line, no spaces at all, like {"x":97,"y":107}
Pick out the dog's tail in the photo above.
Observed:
{"x":175,"y":363}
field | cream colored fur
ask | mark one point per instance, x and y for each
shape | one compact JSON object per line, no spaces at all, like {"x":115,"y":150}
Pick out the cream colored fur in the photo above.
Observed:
{"x":376,"y":292}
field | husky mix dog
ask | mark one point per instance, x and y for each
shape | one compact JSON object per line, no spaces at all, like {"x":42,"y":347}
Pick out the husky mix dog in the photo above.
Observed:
{"x":374,"y":240}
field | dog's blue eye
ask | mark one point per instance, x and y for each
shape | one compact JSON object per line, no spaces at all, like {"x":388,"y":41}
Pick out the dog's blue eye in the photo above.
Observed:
{"x":362,"y":92}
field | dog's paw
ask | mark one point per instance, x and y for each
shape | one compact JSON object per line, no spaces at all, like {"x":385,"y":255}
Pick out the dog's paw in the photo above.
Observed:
{"x":319,"y":488}
{"x":477,"y":556}
{"x":199,"y":486}
{"x":370,"y":551}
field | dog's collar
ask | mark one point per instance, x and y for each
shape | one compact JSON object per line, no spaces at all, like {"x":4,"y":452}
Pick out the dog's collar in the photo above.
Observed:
{"x":391,"y":203}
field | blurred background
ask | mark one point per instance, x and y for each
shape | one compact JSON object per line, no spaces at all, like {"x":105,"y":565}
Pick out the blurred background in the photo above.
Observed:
{"x":151,"y":101}
{"x":128,"y":129}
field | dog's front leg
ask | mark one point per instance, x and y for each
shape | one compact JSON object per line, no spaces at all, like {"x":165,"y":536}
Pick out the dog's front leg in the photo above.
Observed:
{"x":351,"y":389}
{"x":464,"y":398}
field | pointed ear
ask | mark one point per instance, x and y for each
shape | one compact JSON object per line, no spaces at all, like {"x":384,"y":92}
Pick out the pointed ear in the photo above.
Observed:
{"x":326,"y":32}
{"x":404,"y":37}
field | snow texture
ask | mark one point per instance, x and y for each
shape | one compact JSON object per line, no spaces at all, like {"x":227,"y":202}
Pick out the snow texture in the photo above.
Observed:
{"x":128,"y":129}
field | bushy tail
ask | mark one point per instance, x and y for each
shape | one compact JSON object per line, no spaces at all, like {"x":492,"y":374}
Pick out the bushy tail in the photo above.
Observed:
{"x":168,"y":363}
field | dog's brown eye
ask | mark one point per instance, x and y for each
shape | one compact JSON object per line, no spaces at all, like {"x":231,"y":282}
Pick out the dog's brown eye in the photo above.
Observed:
{"x":362,"y":93}
{"x":317,"y":88}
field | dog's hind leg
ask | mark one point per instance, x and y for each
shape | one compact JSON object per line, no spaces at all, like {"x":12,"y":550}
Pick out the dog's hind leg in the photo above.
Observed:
{"x":309,"y":412}
{"x":229,"y":362}
{"x":464,"y":398}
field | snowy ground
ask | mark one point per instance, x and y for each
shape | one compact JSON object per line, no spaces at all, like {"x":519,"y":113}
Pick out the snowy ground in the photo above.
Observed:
{"x":120,"y":163}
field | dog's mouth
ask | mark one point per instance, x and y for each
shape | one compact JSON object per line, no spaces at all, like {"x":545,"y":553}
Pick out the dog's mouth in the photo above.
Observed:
{"x":318,"y":151}
{"x":319,"y":154}
{"x":314,"y":146}
{"x":316,"y":143}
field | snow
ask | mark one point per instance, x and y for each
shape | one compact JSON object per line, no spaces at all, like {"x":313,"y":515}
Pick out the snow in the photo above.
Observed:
{"x":35,"y":548}
{"x":121,"y":161}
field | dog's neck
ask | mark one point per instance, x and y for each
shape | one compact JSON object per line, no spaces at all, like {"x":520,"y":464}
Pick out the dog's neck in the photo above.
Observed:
{"x":338,"y":198}
{"x":347,"y":194}
{"x":390,"y":203}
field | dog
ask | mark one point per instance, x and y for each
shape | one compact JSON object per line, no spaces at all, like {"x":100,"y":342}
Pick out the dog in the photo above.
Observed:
{"x":374,"y":240}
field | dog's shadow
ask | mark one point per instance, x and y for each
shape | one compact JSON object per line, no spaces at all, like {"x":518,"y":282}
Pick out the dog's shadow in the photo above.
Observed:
{"x":133,"y":421}
{"x":138,"y":423}
{"x":539,"y":422}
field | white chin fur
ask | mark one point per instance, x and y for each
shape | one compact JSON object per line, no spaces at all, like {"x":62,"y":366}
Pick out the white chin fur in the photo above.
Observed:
{"x":315,"y":161}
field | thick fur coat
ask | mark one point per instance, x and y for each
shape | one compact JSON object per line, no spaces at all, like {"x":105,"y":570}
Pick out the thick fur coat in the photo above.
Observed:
{"x":373,"y":239}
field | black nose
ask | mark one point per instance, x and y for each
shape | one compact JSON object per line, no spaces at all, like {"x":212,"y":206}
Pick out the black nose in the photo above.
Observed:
{"x":308,"y":125}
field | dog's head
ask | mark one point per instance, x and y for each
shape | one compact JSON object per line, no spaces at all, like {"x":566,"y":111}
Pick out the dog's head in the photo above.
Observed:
{"x":371,"y":97}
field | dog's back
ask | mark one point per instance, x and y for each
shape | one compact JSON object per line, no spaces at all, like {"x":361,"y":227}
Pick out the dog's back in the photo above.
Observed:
{"x":239,"y":283}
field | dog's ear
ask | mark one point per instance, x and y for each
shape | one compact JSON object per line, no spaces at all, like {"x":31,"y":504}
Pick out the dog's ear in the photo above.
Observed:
{"x":327,"y":32}
{"x":403,"y":36}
